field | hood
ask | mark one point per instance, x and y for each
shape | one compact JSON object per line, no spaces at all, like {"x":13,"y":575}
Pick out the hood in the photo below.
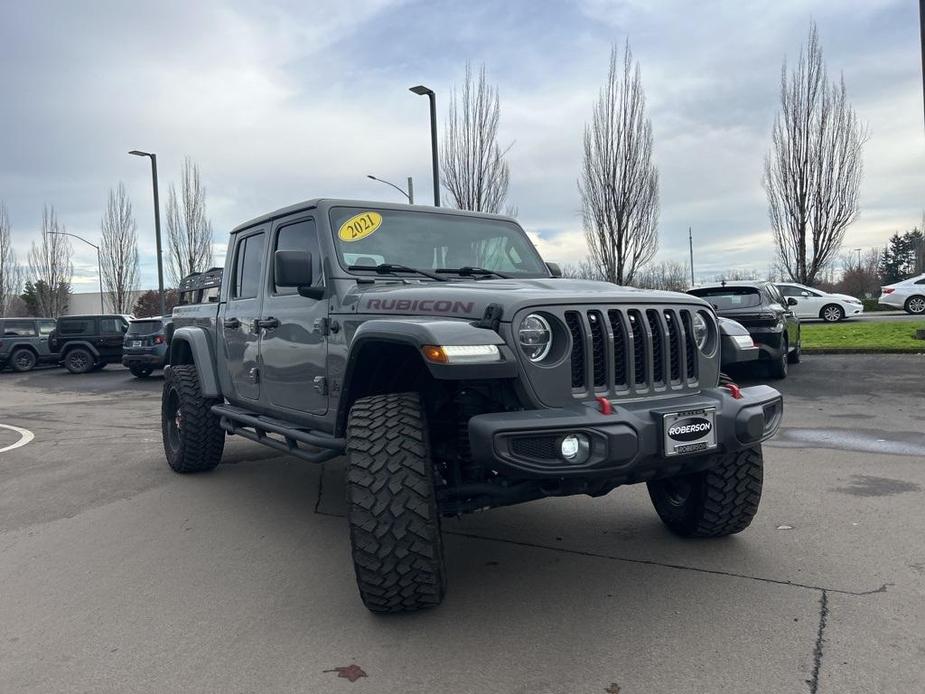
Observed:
{"x":470,"y":298}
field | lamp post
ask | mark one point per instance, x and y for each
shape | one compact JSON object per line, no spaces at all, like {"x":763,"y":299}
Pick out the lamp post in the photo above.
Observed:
{"x":99,"y":260}
{"x":859,"y":256}
{"x":409,"y":194}
{"x":157,"y":224}
{"x":421,"y":90}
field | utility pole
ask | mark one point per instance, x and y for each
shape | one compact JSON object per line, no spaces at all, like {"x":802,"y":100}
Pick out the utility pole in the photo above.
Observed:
{"x":690,"y":240}
{"x":922,"y":34}
{"x":157,"y":224}
{"x":421,"y":90}
{"x":410,"y":190}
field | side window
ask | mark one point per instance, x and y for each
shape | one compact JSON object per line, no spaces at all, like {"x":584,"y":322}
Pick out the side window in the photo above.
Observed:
{"x":787,"y":290}
{"x":76,"y":327}
{"x":19,"y":328}
{"x":300,"y":236}
{"x":922,"y":281}
{"x":248,"y":266}
{"x":110,"y":326}
{"x":46,"y":327}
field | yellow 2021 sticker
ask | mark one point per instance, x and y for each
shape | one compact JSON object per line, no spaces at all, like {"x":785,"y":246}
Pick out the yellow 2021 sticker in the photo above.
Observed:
{"x":359,"y":226}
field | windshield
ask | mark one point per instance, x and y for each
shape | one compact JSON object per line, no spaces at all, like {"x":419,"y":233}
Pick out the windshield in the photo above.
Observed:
{"x":144,"y":327}
{"x":431,"y":241}
{"x":724,"y":298}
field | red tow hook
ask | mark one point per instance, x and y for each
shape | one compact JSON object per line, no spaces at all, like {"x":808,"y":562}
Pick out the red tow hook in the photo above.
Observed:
{"x":606,"y":407}
{"x":734,"y":390}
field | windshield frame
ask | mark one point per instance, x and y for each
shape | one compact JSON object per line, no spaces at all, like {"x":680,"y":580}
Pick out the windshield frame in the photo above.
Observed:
{"x":372,"y":275}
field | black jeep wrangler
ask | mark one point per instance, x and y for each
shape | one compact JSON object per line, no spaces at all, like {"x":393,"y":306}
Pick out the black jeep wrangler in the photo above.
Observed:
{"x":89,"y":343}
{"x":457,"y":372}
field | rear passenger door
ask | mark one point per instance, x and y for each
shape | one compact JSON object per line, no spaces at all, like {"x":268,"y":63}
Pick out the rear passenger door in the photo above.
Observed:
{"x":293,"y":346}
{"x":242,"y":310}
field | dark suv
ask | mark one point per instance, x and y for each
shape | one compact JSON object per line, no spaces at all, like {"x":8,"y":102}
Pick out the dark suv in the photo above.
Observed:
{"x":145,"y":346}
{"x":24,"y":343}
{"x":765,"y":313}
{"x":88,"y":343}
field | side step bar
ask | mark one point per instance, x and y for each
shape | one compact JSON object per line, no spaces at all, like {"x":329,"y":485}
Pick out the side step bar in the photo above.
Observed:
{"x":236,"y":420}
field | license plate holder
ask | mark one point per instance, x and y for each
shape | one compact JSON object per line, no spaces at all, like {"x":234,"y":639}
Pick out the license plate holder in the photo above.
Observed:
{"x":136,"y":343}
{"x":689,"y":432}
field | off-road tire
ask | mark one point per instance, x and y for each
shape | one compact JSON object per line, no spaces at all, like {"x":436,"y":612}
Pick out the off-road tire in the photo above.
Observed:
{"x":23,"y":360}
{"x":141,"y":371}
{"x":392,"y":507}
{"x":777,"y":368}
{"x":78,"y":360}
{"x":721,"y":500}
{"x":832,"y":313}
{"x":915,"y":305}
{"x":194,"y":440}
{"x":796,"y":354}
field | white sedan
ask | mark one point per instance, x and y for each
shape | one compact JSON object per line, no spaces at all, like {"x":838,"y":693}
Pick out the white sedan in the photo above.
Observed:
{"x":812,"y":303}
{"x":909,"y":295}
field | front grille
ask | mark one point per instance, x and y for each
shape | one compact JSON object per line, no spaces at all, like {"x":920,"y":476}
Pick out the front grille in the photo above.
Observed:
{"x":631,"y":350}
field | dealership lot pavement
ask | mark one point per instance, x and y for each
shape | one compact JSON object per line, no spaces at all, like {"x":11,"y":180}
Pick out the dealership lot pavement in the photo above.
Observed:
{"x":118,"y":576}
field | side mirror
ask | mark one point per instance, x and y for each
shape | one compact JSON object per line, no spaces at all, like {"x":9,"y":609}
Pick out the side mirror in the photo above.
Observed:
{"x":804,"y":293}
{"x":294,"y":269}
{"x":554,"y":269}
{"x":791,"y":301}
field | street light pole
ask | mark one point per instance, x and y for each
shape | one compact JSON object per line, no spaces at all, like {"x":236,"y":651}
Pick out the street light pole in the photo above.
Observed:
{"x":421,"y":90}
{"x":690,"y":240}
{"x":99,"y":260}
{"x":157,"y":225}
{"x":409,"y":194}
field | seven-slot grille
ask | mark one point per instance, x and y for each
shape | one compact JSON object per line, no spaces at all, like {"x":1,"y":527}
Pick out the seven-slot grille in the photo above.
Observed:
{"x":631,"y":350}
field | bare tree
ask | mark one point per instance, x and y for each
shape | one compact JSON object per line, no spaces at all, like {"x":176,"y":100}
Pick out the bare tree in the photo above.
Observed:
{"x":582,"y":270}
{"x":619,"y":181}
{"x":10,"y":271}
{"x":473,"y":168}
{"x":189,"y":231}
{"x":50,"y":266}
{"x":812,"y":174}
{"x":669,"y":275}
{"x":119,"y":250}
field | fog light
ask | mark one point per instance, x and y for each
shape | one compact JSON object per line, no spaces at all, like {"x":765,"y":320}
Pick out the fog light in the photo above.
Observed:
{"x":575,"y":448}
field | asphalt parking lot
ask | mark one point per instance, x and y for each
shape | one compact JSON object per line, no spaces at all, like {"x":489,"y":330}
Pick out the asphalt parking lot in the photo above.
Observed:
{"x":117,"y":575}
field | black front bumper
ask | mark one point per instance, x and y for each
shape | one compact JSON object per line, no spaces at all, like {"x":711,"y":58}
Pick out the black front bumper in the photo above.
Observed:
{"x":626,"y":445}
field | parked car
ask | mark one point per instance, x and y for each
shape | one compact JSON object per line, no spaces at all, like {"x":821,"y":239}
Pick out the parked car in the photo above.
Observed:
{"x":24,"y":343}
{"x":736,"y":344}
{"x":765,"y":313}
{"x":145,"y":346}
{"x":813,"y":303}
{"x":909,"y":295}
{"x":457,"y":372}
{"x":88,"y":343}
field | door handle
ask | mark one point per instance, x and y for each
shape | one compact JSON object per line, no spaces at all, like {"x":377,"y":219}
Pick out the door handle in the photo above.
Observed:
{"x":231,"y":323}
{"x":267,"y":323}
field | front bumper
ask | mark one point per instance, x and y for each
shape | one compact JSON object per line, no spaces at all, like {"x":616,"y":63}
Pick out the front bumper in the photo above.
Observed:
{"x":627,"y":445}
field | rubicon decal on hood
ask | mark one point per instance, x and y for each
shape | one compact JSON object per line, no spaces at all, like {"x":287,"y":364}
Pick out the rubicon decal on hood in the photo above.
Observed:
{"x":690,"y":429}
{"x":429,"y":306}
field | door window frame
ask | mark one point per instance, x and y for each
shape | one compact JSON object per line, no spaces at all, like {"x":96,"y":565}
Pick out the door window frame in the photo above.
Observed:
{"x":239,"y":244}
{"x":279,"y":225}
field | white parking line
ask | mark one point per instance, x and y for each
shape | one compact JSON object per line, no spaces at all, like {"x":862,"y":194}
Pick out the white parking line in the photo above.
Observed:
{"x":25,"y":436}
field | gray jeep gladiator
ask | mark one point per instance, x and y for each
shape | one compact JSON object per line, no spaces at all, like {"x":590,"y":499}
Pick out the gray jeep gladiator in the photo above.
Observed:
{"x":457,"y":372}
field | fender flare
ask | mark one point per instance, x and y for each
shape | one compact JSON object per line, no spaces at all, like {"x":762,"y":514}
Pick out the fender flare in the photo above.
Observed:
{"x":200,"y":346}
{"x":71,"y":344}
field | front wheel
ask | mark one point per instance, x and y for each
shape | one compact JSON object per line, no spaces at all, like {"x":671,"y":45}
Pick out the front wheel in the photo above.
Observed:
{"x":832,"y":313}
{"x":23,"y":360}
{"x":718,"y":501}
{"x":392,"y":506}
{"x":915,"y":305}
{"x":777,"y":368}
{"x":193,"y":437}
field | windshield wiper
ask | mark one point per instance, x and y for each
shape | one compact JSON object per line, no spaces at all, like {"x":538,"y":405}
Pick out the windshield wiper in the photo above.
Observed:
{"x":469,"y":271}
{"x":391,"y":269}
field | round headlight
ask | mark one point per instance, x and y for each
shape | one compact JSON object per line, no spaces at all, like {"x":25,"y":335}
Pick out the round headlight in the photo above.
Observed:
{"x":535,"y":337}
{"x":701,"y":331}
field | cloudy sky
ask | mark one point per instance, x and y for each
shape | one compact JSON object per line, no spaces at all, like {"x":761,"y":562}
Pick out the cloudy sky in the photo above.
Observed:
{"x":283,"y":101}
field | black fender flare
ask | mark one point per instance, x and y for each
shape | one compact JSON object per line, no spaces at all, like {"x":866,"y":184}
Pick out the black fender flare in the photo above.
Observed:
{"x":199,"y":344}
{"x":72,"y":344}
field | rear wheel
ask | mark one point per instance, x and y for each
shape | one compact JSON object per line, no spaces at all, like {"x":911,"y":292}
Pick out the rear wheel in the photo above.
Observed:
{"x":78,"y":360}
{"x":915,"y":305}
{"x":777,"y":368}
{"x":721,"y":500}
{"x":832,"y":313}
{"x":193,"y":437}
{"x":23,"y":360}
{"x":392,"y":507}
{"x":140,"y":371}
